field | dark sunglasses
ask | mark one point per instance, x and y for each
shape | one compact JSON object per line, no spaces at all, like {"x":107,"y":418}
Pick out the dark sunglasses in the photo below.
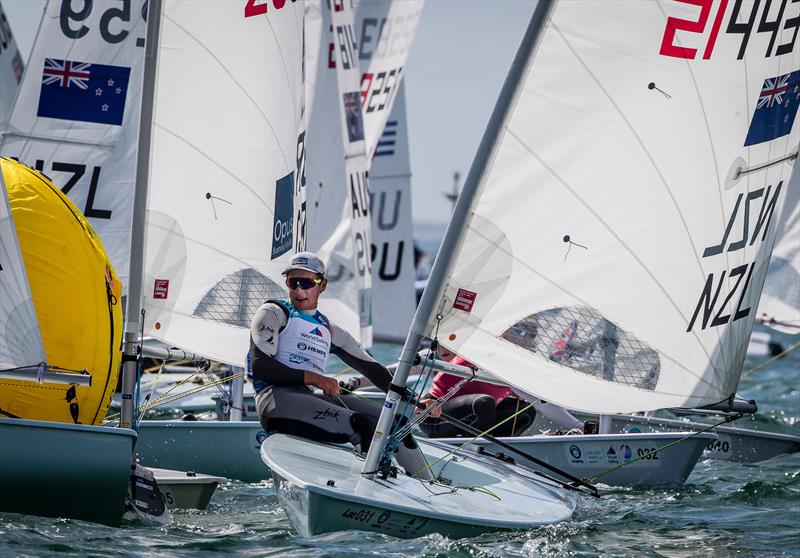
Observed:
{"x":302,"y":282}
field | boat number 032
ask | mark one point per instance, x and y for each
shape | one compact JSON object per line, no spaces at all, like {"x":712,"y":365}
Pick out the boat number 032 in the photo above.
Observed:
{"x":647,"y":453}
{"x":112,"y":20}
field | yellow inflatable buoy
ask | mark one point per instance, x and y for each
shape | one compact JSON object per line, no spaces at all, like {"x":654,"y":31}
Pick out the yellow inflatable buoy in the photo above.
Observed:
{"x":76,"y":294}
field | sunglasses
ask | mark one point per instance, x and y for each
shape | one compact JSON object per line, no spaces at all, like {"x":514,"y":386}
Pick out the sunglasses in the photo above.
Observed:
{"x":303,"y":282}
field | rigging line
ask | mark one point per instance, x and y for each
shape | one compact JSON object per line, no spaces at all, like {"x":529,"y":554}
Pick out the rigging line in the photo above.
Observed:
{"x":216,"y":163}
{"x":163,"y":401}
{"x":146,"y":406}
{"x":773,"y":359}
{"x":499,"y":247}
{"x":239,"y":85}
{"x":649,"y":453}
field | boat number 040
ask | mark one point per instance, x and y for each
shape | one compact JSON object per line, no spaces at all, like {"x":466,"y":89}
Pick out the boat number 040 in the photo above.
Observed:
{"x":718,"y":446}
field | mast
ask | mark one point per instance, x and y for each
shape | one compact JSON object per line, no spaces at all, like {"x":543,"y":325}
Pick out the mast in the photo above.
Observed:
{"x":454,"y":233}
{"x":134,"y":307}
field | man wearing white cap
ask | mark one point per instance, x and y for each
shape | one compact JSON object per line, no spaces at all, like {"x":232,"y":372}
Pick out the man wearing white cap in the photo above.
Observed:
{"x":289,"y":346}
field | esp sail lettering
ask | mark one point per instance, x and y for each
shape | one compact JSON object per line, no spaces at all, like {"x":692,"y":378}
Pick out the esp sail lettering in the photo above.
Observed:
{"x":713,"y":301}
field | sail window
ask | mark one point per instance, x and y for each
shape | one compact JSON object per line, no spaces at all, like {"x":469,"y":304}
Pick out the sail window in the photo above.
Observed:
{"x":580,"y":338}
{"x":235,"y":299}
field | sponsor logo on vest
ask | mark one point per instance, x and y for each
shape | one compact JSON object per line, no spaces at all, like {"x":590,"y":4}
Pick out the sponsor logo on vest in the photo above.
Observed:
{"x":326,"y":414}
{"x":306,"y":347}
{"x":297,"y":359}
{"x":316,"y":332}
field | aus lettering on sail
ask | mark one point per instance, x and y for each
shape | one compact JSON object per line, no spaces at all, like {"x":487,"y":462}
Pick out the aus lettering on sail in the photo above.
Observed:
{"x":359,"y":197}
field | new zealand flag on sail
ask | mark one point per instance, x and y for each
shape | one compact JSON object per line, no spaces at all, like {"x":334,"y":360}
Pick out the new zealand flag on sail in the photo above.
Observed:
{"x":776,"y":108}
{"x":81,"y":91}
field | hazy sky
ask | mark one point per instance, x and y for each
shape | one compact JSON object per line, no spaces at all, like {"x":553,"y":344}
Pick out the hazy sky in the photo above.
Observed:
{"x":461,"y":54}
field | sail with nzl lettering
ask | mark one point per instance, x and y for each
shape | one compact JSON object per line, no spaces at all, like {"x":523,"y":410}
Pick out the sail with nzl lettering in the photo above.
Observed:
{"x":222,"y":185}
{"x":616,"y":250}
{"x":76,"y":117}
{"x":11,"y":68}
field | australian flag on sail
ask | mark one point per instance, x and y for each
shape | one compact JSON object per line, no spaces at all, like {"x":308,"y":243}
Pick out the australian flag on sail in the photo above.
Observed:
{"x":353,"y":117}
{"x":82,"y":91}
{"x":776,"y":108}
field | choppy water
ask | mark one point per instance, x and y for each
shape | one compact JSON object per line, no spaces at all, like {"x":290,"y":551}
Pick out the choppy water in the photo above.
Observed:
{"x":724,"y":510}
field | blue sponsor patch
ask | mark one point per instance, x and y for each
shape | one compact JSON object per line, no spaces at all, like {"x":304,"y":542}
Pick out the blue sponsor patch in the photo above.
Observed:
{"x":282,"y":224}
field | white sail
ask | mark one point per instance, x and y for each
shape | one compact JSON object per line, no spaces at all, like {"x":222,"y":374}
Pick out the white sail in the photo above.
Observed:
{"x":385,"y":32}
{"x":223,"y":170}
{"x":331,"y":223}
{"x":20,"y":339}
{"x":348,"y":75}
{"x":393,"y":294}
{"x":617,"y":247}
{"x":779,"y":307}
{"x":11,"y":67}
{"x":77,"y":114}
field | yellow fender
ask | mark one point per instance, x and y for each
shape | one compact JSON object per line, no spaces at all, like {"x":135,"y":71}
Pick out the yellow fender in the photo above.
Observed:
{"x":76,"y":294}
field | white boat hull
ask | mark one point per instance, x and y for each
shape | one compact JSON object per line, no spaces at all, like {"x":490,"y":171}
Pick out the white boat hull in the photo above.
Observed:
{"x":321,"y":488}
{"x":185,"y":489}
{"x":64,"y":470}
{"x":586,"y":456}
{"x":741,"y":445}
{"x":228,"y":449}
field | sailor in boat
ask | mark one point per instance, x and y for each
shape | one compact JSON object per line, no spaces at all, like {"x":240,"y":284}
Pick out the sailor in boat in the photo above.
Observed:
{"x":482,"y":405}
{"x":290,"y":341}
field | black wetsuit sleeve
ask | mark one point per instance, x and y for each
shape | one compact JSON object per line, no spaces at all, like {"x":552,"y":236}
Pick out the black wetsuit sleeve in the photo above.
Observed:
{"x":346,"y":348}
{"x":267,"y":324}
{"x":270,"y":370}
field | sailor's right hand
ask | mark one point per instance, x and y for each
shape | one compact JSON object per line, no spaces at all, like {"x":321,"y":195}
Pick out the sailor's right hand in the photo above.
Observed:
{"x":437,"y":412}
{"x":329,"y":386}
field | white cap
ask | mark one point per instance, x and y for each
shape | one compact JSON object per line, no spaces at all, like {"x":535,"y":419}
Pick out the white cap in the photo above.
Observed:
{"x":306,"y":260}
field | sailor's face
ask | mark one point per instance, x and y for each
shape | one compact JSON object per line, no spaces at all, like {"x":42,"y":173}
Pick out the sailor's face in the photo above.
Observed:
{"x":304,"y":299}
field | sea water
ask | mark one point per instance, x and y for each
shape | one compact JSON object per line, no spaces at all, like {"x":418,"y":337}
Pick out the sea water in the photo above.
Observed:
{"x":724,"y":510}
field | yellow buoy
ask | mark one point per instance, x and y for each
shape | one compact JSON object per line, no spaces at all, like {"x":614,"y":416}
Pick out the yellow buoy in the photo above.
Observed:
{"x":76,"y":294}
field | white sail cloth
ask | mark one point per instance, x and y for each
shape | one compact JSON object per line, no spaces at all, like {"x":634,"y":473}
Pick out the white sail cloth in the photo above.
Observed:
{"x":20,"y":337}
{"x":619,"y":242}
{"x":223,"y":171}
{"x":385,"y":32}
{"x":779,"y":307}
{"x":393,"y":294}
{"x":77,"y":113}
{"x":375,"y":47}
{"x":11,"y":67}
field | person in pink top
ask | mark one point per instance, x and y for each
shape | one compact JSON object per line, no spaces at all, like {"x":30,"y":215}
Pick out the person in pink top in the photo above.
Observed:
{"x":478,"y":404}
